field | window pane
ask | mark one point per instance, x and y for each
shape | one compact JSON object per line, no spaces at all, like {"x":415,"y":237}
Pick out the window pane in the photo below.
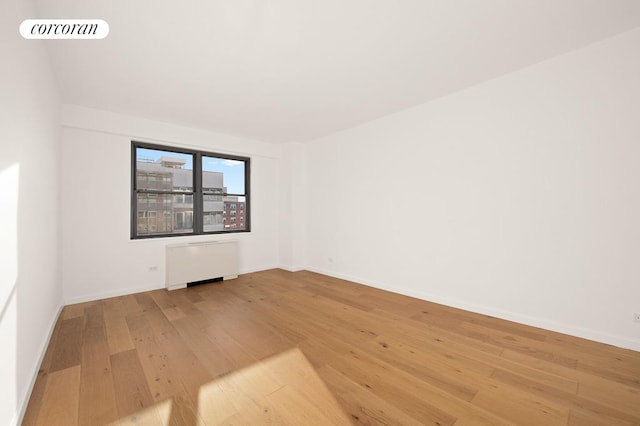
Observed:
{"x":222,"y":175}
{"x":212,"y":202}
{"x":164,"y":214}
{"x":213,"y":221}
{"x":234,"y":213}
{"x":163,"y":170}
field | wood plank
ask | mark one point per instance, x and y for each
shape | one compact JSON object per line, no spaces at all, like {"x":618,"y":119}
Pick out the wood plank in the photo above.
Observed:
{"x":301,"y":383}
{"x":158,"y":414}
{"x":118,"y":336}
{"x":37,"y":394}
{"x":582,"y":418}
{"x":183,"y":411}
{"x":97,"y":395}
{"x":131,"y":387}
{"x":68,"y":346}
{"x":362,"y":405}
{"x":616,"y":395}
{"x":60,"y":400}
{"x":219,"y":403}
{"x":423,"y":366}
{"x":296,"y":409}
{"x":318,"y":345}
{"x":464,"y":357}
{"x":75,"y":310}
{"x":520,"y":410}
{"x":255,"y":337}
{"x":217,"y":351}
{"x":416,"y":398}
{"x":430,"y":333}
{"x":577,"y":403}
{"x":615,"y":371}
{"x":521,"y":344}
{"x":162,"y":382}
{"x":130,"y":303}
{"x":166,"y":305}
{"x":179,"y":358}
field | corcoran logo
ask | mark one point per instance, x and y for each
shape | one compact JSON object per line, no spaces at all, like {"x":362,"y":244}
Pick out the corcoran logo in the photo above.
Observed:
{"x":64,"y":29}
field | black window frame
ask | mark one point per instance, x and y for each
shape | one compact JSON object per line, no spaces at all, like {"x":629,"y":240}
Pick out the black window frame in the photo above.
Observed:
{"x":197,"y":193}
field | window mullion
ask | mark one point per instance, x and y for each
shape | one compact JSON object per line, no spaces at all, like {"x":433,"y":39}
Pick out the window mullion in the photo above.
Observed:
{"x":197,"y":196}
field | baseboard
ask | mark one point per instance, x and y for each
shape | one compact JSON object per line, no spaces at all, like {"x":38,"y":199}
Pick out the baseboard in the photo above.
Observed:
{"x":176,"y":287}
{"x":108,"y":294}
{"x":292,"y":268}
{"x":134,"y":290}
{"x":609,"y":339}
{"x":258,"y":269}
{"x":43,"y":350}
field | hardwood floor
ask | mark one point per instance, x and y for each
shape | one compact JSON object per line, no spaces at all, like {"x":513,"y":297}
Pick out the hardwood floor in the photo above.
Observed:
{"x":275,"y":347}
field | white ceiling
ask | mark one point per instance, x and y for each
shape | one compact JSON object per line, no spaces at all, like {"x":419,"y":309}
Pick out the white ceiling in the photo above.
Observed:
{"x":296,"y":70}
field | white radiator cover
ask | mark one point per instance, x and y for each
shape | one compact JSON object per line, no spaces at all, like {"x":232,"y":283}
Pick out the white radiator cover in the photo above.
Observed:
{"x":190,"y":262}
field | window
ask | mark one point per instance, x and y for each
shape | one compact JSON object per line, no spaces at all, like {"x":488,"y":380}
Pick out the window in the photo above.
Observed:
{"x":178,"y":191}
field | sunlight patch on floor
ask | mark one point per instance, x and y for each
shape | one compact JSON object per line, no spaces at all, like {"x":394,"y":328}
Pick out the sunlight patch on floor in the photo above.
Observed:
{"x":283,"y":389}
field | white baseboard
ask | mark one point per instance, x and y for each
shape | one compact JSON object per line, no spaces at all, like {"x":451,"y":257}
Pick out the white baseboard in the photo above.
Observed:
{"x":176,"y":287}
{"x":43,"y":350}
{"x":108,"y":294}
{"x":258,"y":269}
{"x":292,"y":268}
{"x":134,"y":290}
{"x":610,"y":339}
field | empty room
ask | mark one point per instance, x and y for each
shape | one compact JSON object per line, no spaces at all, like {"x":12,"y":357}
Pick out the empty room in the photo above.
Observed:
{"x":245,"y":212}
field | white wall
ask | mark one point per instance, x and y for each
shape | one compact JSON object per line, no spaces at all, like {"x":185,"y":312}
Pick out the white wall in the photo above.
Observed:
{"x":516,"y":198}
{"x":30,"y":289}
{"x":293,"y":206}
{"x":98,"y":257}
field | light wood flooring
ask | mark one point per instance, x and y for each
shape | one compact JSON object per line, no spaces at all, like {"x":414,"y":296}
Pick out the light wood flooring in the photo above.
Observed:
{"x":276,"y":347}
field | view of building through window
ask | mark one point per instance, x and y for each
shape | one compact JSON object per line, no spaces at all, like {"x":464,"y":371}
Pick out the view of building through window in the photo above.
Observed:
{"x":165,"y":193}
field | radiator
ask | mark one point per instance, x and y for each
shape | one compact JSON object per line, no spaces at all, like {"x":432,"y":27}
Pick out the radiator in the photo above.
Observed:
{"x":192,"y":262}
